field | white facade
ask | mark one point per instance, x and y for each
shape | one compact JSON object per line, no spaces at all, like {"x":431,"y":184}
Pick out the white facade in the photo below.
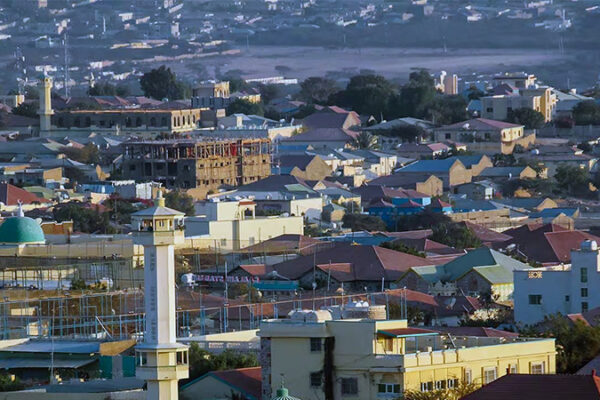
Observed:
{"x":564,"y":289}
{"x":160,"y":360}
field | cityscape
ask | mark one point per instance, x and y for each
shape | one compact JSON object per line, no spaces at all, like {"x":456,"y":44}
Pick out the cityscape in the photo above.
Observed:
{"x":299,"y":199}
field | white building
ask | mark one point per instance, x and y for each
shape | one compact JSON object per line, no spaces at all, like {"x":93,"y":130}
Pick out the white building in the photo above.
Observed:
{"x":160,"y":360}
{"x":233,"y":225}
{"x":563,"y":289}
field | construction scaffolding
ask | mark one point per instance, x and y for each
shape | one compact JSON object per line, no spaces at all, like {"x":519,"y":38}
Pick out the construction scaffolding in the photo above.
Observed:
{"x":119,"y":315}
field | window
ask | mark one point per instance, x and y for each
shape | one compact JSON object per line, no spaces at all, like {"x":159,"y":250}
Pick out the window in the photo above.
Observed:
{"x":567,"y":298}
{"x":489,"y":109}
{"x":468,"y":376}
{"x":535,"y":299}
{"x":349,"y":386}
{"x":315,"y":344}
{"x":440,"y":384}
{"x":537,"y":368}
{"x":512,"y":368}
{"x":426,"y":386}
{"x":315,"y":379}
{"x":583,"y":272}
{"x":388,"y":388}
{"x":452,"y":383}
{"x":584,"y":306}
{"x":584,"y":292}
{"x":448,"y":136}
{"x":489,"y":375}
{"x":223,"y":242}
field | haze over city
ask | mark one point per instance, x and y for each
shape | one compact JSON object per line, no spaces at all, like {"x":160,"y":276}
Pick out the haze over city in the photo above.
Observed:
{"x":299,"y":199}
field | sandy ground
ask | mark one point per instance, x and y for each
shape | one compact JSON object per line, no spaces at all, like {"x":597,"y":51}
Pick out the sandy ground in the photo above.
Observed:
{"x":259,"y":61}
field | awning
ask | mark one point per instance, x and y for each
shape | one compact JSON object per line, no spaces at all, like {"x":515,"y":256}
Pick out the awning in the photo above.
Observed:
{"x":406,"y":332}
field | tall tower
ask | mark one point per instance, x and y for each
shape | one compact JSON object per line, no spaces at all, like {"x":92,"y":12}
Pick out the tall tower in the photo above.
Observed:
{"x":45,"y":112}
{"x":161,"y":361}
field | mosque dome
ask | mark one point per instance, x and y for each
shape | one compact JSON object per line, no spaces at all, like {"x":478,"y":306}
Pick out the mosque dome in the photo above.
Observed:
{"x":21,"y":230}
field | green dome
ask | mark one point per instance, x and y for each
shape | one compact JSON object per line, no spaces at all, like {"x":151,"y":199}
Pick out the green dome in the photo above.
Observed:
{"x":19,"y":230}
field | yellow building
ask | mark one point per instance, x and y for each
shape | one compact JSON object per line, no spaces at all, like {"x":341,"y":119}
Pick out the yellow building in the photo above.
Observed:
{"x":367,"y":359}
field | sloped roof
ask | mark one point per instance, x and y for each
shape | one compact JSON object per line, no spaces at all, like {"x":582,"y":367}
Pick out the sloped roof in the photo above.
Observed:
{"x":331,"y":120}
{"x":484,"y":234}
{"x":401,"y":180}
{"x":539,"y":387}
{"x":369,"y":263}
{"x":546,"y":244}
{"x":429,"y":166}
{"x":11,"y":195}
{"x":286,"y":243}
{"x":503,"y":266}
{"x":499,"y":172}
{"x":248,"y":381}
{"x":324,"y":135}
{"x":479,"y":124}
{"x":474,"y":331}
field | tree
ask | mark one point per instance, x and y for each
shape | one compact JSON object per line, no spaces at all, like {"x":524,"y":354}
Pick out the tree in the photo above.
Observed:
{"x":455,"y":235}
{"x":162,"y":83}
{"x":107,"y":89}
{"x":87,"y":154}
{"x":415,"y":96}
{"x":27,"y":109}
{"x":241,"y":106}
{"x":84,"y":219}
{"x":364,"y":140}
{"x":574,"y":180}
{"x":474,"y":93}
{"x":180,"y":201}
{"x":366,"y":94}
{"x":587,"y":113}
{"x":576,"y":342}
{"x":317,"y":90}
{"x":445,"y":110}
{"x":455,"y":393}
{"x":269,"y":92}
{"x":8,"y":384}
{"x":399,"y":246}
{"x":532,"y":119}
{"x":408,"y":133}
{"x":202,"y":361}
{"x":362,"y":222}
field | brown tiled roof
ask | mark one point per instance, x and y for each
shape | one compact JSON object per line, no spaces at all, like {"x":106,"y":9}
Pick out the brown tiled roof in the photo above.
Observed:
{"x":287,"y":243}
{"x":540,"y":387}
{"x":486,"y":235}
{"x":547,"y":244}
{"x":256,"y":269}
{"x":416,"y":234}
{"x":247,"y":380}
{"x":369,"y":263}
{"x":480,"y":124}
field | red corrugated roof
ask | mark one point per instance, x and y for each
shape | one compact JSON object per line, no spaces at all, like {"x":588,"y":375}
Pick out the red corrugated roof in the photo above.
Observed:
{"x":247,"y":380}
{"x":11,"y":195}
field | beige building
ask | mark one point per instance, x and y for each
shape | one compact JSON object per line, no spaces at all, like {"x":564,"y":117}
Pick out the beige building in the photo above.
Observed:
{"x":486,"y":135}
{"x":232,"y":225}
{"x":365,"y":359}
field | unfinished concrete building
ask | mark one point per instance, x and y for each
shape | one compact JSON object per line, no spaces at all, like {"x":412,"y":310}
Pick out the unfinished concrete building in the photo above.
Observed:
{"x":204,"y":164}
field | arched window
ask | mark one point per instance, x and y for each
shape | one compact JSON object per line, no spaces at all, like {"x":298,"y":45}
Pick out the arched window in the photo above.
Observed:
{"x":88,"y":121}
{"x":128,"y":122}
{"x":152,"y":121}
{"x":77,"y":122}
{"x":138,"y":122}
{"x":61,"y":122}
{"x":163,"y":121}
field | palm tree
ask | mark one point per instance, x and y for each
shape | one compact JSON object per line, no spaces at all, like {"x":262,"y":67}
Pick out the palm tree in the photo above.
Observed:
{"x":365,"y":140}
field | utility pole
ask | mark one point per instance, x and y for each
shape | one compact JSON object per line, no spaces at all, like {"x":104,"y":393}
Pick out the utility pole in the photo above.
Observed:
{"x":66,"y":56}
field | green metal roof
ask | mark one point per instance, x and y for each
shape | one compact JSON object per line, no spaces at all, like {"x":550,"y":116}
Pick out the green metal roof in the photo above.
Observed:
{"x":19,"y":230}
{"x":497,"y":267}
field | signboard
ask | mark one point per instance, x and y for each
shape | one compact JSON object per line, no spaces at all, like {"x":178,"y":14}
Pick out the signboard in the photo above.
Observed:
{"x":221,"y":279}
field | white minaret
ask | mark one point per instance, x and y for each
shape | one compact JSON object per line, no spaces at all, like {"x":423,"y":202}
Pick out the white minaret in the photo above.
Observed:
{"x":160,"y":360}
{"x":45,"y":112}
